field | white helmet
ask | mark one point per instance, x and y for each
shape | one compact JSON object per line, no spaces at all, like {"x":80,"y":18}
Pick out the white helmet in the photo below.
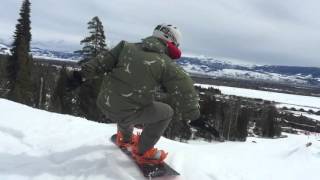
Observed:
{"x":168,"y":32}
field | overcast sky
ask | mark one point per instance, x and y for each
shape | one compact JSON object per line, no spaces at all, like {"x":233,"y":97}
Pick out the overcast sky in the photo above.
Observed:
{"x":282,"y":32}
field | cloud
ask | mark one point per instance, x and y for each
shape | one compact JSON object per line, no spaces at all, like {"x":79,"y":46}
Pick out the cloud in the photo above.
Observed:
{"x":264,"y":32}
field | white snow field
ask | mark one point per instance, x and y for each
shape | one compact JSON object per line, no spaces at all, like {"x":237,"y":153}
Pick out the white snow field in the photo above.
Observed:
{"x":288,"y":100}
{"x":39,"y":145}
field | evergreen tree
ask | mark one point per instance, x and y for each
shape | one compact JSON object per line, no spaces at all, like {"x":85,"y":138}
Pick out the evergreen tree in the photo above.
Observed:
{"x":88,"y":94}
{"x":95,"y":44}
{"x":268,"y":125}
{"x":242,"y":126}
{"x":94,"y":47}
{"x":40,"y":93}
{"x":20,"y":63}
{"x":61,"y":99}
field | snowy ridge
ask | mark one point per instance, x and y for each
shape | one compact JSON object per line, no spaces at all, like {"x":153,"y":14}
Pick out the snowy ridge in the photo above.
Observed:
{"x":211,"y":67}
{"x":38,"y":145}
{"x":4,"y":49}
{"x":242,"y":74}
{"x":287,"y":100}
{"x":306,"y":114}
{"x":224,"y":61}
{"x":45,"y":54}
{"x":55,"y":55}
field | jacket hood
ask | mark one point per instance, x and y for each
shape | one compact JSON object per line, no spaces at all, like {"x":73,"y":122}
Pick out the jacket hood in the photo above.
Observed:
{"x":154,"y":44}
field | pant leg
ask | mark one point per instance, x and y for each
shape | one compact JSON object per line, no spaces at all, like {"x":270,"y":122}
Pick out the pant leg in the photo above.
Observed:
{"x":155,"y":117}
{"x":126,"y":130}
{"x":124,"y":124}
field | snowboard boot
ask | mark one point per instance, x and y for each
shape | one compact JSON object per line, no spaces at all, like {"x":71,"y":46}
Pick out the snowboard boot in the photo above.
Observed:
{"x":152,"y":156}
{"x":122,"y":143}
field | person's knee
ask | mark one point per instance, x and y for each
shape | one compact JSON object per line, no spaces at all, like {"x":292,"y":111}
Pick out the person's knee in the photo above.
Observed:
{"x":169,"y":112}
{"x":164,"y":111}
{"x":193,"y":115}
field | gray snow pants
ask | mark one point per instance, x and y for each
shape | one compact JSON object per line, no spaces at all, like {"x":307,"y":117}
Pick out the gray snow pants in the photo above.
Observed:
{"x":155,"y":118}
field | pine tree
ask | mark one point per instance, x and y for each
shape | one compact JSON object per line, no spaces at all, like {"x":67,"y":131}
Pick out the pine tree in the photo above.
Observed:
{"x":242,"y":125}
{"x":94,"y":45}
{"x":61,"y":99}
{"x":269,"y":124}
{"x":20,"y":63}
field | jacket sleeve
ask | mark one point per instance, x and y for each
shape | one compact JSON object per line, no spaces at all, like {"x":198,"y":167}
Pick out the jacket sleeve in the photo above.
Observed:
{"x":182,"y":95}
{"x":98,"y":66}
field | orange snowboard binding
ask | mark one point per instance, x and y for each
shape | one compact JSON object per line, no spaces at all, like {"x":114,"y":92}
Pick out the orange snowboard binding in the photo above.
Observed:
{"x":121,"y":143}
{"x":152,"y":156}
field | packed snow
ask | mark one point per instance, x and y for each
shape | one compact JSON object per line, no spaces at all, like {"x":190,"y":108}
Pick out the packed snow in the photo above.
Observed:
{"x":38,"y":145}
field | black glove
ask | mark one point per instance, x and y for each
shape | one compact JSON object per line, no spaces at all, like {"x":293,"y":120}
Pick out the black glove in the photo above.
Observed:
{"x":203,"y":124}
{"x":74,"y":80}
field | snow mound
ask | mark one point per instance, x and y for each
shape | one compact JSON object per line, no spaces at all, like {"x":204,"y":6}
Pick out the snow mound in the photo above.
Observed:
{"x":38,"y":145}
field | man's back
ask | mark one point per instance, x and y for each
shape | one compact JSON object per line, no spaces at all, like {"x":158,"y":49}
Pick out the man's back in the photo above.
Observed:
{"x":139,"y":70}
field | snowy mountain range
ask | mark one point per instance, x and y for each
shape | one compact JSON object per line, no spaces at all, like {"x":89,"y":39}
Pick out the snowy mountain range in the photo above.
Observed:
{"x":211,"y":67}
{"x":45,"y":53}
{"x":214,"y":68}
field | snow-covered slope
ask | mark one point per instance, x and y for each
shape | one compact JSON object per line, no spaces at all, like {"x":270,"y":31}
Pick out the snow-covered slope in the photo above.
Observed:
{"x":38,"y":145}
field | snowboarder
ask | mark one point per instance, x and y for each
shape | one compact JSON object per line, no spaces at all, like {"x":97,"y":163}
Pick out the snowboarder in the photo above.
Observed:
{"x":132,"y":74}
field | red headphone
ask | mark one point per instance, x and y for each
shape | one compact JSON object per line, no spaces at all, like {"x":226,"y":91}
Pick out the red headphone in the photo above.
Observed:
{"x":174,"y":51}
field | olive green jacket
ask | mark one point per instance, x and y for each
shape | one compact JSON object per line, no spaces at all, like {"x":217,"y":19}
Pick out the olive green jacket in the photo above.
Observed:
{"x":133,"y":72}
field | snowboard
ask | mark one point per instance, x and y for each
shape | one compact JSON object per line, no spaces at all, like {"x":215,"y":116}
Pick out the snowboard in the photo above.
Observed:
{"x":150,"y":171}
